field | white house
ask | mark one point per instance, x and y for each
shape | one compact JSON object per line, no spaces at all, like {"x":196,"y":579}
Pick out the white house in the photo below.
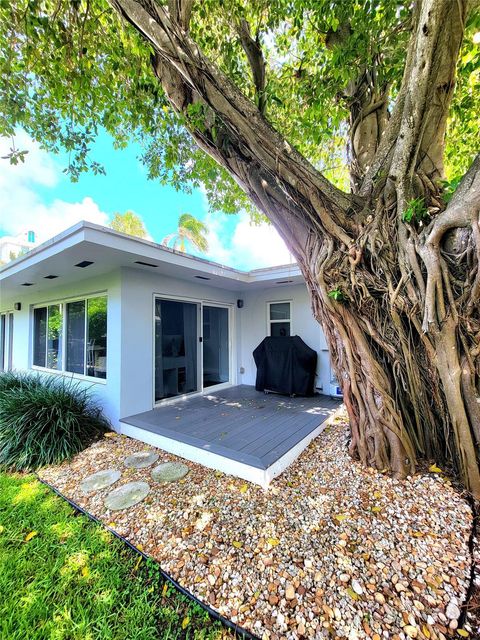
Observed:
{"x":12,"y":246}
{"x":148,"y":326}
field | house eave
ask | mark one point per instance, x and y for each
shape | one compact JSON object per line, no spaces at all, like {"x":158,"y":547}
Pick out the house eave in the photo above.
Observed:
{"x":87,"y":240}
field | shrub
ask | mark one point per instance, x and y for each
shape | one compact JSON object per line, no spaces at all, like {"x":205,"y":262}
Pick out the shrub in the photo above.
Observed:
{"x":45,"y":420}
{"x":15,"y":380}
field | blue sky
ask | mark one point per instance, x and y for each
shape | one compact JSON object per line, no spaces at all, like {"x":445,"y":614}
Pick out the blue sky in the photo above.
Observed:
{"x":38,"y":196}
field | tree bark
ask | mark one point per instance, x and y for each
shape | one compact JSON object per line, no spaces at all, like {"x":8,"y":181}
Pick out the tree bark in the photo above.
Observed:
{"x":398,"y":299}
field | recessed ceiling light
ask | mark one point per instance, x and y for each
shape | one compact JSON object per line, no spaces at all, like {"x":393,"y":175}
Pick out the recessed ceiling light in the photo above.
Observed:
{"x":27,"y":284}
{"x":201,"y":277}
{"x":146,"y":264}
{"x":284,"y":281}
{"x":51,"y":277}
{"x":84,"y":263}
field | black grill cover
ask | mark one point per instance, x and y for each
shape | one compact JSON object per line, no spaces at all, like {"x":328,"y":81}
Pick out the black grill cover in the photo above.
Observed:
{"x":285,"y":365}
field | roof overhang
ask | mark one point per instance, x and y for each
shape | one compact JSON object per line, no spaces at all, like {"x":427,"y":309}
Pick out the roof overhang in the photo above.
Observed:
{"x":107,"y":250}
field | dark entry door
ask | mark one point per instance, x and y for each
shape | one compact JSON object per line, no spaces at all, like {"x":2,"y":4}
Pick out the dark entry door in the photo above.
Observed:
{"x":216,"y":340}
{"x":176,"y":348}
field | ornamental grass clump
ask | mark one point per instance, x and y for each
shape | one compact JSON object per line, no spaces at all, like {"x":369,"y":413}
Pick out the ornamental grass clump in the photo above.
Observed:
{"x":45,"y":420}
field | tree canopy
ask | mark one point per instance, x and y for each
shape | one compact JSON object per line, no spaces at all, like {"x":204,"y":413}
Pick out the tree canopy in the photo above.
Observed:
{"x":352,"y":125}
{"x":71,"y":68}
{"x":191,"y":230}
{"x":129,"y":222}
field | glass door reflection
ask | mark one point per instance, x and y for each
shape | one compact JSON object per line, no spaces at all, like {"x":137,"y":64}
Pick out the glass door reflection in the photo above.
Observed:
{"x":216,"y":355}
{"x":176,"y":348}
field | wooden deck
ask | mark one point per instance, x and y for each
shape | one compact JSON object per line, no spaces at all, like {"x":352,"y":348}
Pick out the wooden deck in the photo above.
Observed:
{"x":239,"y":423}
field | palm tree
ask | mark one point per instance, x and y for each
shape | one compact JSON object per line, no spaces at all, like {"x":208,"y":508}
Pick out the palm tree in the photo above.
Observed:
{"x":130,"y":223}
{"x":189,"y":229}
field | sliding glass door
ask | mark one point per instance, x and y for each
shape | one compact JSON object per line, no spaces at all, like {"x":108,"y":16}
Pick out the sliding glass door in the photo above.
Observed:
{"x":216,"y":352}
{"x":192,"y":347}
{"x":176,"y":348}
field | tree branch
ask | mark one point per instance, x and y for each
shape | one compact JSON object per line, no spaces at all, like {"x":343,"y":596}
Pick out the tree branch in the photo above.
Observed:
{"x":180,"y":12}
{"x":234,"y":131}
{"x":256,"y":60}
{"x":415,"y":135}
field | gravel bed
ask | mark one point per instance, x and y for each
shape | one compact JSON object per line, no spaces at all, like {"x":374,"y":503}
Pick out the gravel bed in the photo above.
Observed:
{"x":330,"y":550}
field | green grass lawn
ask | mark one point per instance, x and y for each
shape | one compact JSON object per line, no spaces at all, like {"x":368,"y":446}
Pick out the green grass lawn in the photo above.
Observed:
{"x":63,"y":577}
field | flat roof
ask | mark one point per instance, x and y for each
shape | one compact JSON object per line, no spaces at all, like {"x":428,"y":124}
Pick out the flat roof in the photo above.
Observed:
{"x":106,"y":250}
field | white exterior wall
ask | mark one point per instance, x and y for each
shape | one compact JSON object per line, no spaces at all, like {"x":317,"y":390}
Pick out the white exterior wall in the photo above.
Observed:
{"x":254,"y":323}
{"x":129,"y":386}
{"x":139,"y":288}
{"x":107,"y":392}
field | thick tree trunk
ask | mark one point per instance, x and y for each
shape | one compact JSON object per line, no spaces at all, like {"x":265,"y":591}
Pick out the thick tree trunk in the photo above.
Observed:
{"x":398,"y":301}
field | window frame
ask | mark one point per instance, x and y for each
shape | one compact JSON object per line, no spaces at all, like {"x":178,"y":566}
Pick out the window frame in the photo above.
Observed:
{"x":270,"y":321}
{"x":7,"y":321}
{"x":64,"y":302}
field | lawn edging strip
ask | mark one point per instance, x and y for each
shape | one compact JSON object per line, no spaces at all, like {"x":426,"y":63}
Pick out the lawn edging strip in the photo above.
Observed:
{"x":240,"y":631}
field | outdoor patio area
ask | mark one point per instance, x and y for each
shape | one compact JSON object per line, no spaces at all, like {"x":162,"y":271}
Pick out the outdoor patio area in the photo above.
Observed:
{"x":239,"y":430}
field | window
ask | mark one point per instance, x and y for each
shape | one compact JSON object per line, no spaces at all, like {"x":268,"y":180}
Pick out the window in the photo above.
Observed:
{"x":47,"y":331}
{"x":6,"y":341}
{"x":97,"y":337}
{"x":3,"y":341}
{"x":279,"y":319}
{"x":72,"y":337}
{"x":76,"y":337}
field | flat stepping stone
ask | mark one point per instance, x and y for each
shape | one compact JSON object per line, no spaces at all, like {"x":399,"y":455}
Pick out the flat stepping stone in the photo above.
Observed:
{"x":170,"y":472}
{"x":100,"y":480}
{"x":140,"y":460}
{"x":127,"y":496}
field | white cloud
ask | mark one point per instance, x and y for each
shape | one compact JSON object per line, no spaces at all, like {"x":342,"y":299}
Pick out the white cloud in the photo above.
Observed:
{"x":249,"y":247}
{"x":22,"y":208}
{"x":261,"y":244}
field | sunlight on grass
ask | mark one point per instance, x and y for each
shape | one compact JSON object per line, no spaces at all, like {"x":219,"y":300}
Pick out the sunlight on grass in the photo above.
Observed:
{"x":63,"y":530}
{"x":27,"y":492}
{"x":66,"y":578}
{"x":49,"y":504}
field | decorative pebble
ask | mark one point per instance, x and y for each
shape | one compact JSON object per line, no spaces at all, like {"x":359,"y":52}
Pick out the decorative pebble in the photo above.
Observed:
{"x":170,"y":472}
{"x":127,"y":495}
{"x":290,"y":592}
{"x":452,"y":611}
{"x":239,"y":547}
{"x":141,"y":460}
{"x":357,"y":587}
{"x":99,"y":480}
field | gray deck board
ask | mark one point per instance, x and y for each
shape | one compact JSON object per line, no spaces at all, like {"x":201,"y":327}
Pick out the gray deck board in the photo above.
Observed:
{"x":239,"y":423}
